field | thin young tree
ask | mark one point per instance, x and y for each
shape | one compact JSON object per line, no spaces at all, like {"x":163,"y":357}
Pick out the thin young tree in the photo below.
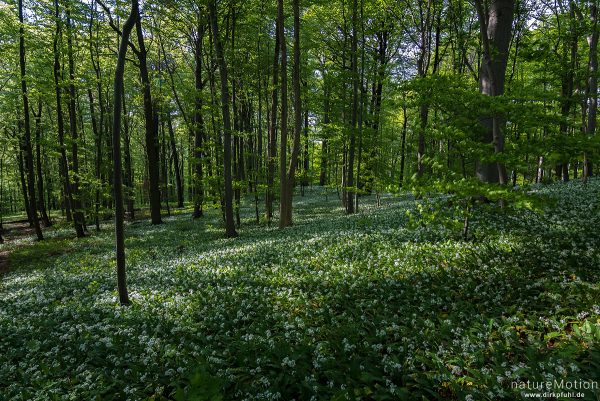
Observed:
{"x":117,"y":176}
{"x":230,"y":231}
{"x":286,"y":209}
{"x":76,"y":205}
{"x":27,"y":126}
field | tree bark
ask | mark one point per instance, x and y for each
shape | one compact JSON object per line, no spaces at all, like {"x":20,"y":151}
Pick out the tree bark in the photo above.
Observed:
{"x":354,"y":116}
{"x":151,"y":125}
{"x":27,"y":149}
{"x":283,"y":187}
{"x":496,"y":32}
{"x":592,"y":88}
{"x":38,"y":164}
{"x":286,"y":210}
{"x":117,"y":175}
{"x":272,"y":140}
{"x":199,"y":127}
{"x":230,"y":231}
{"x":78,"y":218}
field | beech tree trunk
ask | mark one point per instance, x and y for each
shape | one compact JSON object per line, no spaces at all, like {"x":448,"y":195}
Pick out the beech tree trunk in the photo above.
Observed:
{"x":592,"y":88}
{"x":38,"y":165}
{"x":496,"y":32}
{"x":78,"y":218}
{"x":283,"y":187}
{"x":230,"y":231}
{"x":289,"y":183}
{"x":117,"y":175}
{"x":26,"y":140}
{"x":151,"y":125}
{"x":199,"y":127}
{"x":272,"y":140}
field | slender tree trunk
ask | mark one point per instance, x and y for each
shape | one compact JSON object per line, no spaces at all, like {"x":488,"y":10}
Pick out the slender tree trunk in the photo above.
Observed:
{"x":27,"y":149}
{"x":99,"y":126}
{"x":230,"y":231}
{"x":117,"y":174}
{"x":178,"y":181}
{"x":97,"y":137}
{"x":38,"y":163}
{"x":151,"y":125}
{"x":324,"y":143}
{"x":23,"y":180}
{"x":592,"y":87}
{"x":272,"y":141}
{"x":286,"y":209}
{"x":78,"y":218}
{"x":129,"y":184}
{"x":354,"y":116}
{"x":283,"y":187}
{"x":403,"y":145}
{"x":199,"y":127}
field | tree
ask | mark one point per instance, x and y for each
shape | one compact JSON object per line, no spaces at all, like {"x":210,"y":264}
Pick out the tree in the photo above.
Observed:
{"x":230,"y":231}
{"x":288,"y":182}
{"x":76,"y":205}
{"x":117,"y":172}
{"x":495,"y":20}
{"x":151,"y":124}
{"x":27,"y":149}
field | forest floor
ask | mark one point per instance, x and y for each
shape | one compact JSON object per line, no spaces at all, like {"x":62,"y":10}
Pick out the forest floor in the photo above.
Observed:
{"x":337,"y":307}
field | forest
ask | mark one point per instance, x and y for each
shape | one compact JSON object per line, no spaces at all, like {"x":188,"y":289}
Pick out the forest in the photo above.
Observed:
{"x":299,"y":200}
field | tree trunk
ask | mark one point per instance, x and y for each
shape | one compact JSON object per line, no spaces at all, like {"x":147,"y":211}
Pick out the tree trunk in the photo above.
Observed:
{"x":151,"y":125}
{"x":78,"y":218}
{"x":178,"y":182}
{"x":27,"y":149}
{"x":38,"y":163}
{"x":117,"y":175}
{"x":283,"y":187}
{"x":230,"y":231}
{"x":272,"y":140}
{"x":199,"y":127}
{"x":592,"y":88}
{"x":286,"y":210}
{"x":354,"y":116}
{"x":496,"y":33}
{"x":130,"y":196}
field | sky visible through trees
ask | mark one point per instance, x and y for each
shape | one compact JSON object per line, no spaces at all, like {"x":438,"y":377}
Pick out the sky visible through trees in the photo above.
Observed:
{"x":245,"y":158}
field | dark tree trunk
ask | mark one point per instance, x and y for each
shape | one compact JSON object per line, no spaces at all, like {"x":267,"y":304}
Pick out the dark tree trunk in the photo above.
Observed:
{"x":178,"y":182}
{"x":592,"y":88}
{"x":229,"y":223}
{"x":98,"y":141}
{"x":98,"y":126}
{"x":286,"y":209}
{"x":38,"y":164}
{"x":272,"y":140}
{"x":78,"y":218}
{"x":23,"y":181}
{"x":117,"y":173}
{"x":151,"y":125}
{"x":27,"y":149}
{"x":354,"y":116}
{"x":496,"y":33}
{"x":403,"y":145}
{"x":199,"y":127}
{"x":324,"y":143}
{"x":128,"y":173}
{"x":283,"y":187}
